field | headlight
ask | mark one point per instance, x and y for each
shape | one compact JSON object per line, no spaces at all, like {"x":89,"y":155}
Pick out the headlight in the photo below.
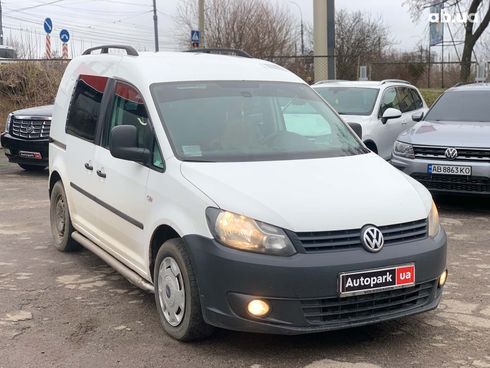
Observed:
{"x":403,"y":150}
{"x":7,"y":124}
{"x":241,"y":232}
{"x":434,"y":225}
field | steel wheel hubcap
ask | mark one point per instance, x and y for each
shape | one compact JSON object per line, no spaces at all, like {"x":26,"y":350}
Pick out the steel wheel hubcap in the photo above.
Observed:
{"x":60,"y":216}
{"x":171,"y":291}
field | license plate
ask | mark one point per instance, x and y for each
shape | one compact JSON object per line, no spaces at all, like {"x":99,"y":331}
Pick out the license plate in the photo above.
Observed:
{"x":449,"y":170}
{"x":28,"y":154}
{"x":363,"y":282}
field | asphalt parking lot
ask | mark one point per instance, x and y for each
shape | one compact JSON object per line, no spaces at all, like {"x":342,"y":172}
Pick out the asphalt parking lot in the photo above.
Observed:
{"x":71,"y":310}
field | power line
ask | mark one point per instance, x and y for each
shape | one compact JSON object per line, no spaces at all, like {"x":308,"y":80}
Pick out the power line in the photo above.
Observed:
{"x":35,"y":6}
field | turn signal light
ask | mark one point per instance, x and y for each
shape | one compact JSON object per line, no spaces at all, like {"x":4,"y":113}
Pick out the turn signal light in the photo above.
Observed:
{"x":442,"y":278}
{"x":258,"y":308}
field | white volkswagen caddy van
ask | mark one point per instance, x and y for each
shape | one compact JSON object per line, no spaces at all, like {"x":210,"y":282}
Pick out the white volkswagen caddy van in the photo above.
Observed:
{"x":228,"y":187}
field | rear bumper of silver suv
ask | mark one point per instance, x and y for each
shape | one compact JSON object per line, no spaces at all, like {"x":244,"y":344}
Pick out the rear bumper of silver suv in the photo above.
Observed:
{"x":476,"y":184}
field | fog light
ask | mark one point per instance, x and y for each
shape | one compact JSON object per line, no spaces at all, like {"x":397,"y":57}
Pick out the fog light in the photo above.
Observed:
{"x":442,"y":279}
{"x":258,"y":308}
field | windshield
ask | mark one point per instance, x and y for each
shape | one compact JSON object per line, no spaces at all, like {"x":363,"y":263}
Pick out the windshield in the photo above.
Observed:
{"x":470,"y":106}
{"x":350,"y":100}
{"x":224,"y":121}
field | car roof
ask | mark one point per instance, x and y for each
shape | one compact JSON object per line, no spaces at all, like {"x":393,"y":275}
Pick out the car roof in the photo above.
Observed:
{"x":363,"y":84}
{"x":156,"y":67}
{"x":470,"y":87}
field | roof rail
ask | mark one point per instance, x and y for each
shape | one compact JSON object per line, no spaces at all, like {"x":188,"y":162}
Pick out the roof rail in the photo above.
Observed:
{"x":131,"y":51}
{"x":331,"y":81}
{"x":218,"y":51}
{"x":384,"y":81}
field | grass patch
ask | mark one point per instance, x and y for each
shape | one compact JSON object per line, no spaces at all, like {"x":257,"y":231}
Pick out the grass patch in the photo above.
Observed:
{"x":431,"y":94}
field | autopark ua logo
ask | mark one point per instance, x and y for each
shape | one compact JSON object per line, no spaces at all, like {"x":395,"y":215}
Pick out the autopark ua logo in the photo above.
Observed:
{"x":452,"y":18}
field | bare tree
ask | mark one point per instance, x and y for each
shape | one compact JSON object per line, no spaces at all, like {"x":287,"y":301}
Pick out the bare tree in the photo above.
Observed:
{"x":472,"y":31}
{"x":256,"y":26}
{"x":360,"y":39}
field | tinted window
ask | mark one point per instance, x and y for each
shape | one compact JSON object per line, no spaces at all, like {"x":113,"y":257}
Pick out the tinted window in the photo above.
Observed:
{"x":472,"y":106}
{"x":85,"y":107}
{"x":129,"y":109}
{"x":250,"y":121}
{"x":350,"y":100}
{"x":417,"y":100}
{"x":405,"y":99}
{"x":389,"y":100}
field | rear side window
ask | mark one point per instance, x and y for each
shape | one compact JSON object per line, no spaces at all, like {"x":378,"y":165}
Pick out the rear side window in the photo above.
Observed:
{"x":85,"y":107}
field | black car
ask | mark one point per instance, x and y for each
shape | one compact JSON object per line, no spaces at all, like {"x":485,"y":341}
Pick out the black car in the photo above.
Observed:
{"x":26,"y":137}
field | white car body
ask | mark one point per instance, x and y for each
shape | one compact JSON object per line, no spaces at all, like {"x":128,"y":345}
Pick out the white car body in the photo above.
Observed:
{"x":121,"y":207}
{"x":378,"y":136}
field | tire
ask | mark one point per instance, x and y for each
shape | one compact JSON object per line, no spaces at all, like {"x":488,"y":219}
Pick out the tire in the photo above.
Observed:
{"x":32,"y":167}
{"x":181,"y":318}
{"x":59,"y":215}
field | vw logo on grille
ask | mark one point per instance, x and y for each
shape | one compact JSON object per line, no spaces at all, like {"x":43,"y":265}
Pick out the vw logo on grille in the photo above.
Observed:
{"x":372,"y":239}
{"x":451,"y":153}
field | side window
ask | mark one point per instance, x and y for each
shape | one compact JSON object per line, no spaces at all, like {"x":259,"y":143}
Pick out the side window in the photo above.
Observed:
{"x":157,"y":160}
{"x":417,"y":100}
{"x":129,"y":109}
{"x":85,"y":107}
{"x":405,"y":98}
{"x":389,"y":100}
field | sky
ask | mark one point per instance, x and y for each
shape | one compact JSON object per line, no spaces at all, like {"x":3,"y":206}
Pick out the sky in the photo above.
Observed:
{"x":95,"y":22}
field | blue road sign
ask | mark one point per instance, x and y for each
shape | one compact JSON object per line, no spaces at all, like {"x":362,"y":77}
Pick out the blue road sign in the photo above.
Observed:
{"x":195,"y":37}
{"x":64,"y":36}
{"x":48,"y":25}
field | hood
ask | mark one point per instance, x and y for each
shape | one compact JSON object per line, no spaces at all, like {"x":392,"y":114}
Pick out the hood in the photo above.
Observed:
{"x":448,"y":133}
{"x":43,"y":111}
{"x":313,"y":195}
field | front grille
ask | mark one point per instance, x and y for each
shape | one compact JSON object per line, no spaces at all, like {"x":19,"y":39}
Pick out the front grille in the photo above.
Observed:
{"x":365,"y":307}
{"x":464,"y":154}
{"x":30,"y":129}
{"x":455,"y":183}
{"x":330,"y":240}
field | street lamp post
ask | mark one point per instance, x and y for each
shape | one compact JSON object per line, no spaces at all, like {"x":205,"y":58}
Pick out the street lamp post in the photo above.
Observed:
{"x":302,"y":28}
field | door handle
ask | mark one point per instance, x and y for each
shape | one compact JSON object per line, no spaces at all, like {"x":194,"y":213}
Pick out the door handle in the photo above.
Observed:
{"x":88,"y":166}
{"x":101,"y":173}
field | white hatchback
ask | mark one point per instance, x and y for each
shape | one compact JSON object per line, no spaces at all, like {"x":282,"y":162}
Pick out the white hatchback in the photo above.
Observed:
{"x":228,"y":187}
{"x":381,"y":110}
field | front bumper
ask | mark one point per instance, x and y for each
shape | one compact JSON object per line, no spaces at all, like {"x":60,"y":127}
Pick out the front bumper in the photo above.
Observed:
{"x":15,"y":145}
{"x":302,"y":289}
{"x":477,"y":184}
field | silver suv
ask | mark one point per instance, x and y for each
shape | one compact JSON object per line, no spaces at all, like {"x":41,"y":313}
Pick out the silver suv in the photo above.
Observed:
{"x":377,"y":111}
{"x":449,"y":150}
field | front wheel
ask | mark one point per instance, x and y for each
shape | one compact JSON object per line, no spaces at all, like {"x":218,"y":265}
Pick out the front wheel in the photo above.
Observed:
{"x":177,"y":295}
{"x":59,"y":215}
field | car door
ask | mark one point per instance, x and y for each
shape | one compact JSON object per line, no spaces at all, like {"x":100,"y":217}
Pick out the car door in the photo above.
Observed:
{"x":392,"y":128}
{"x":81,"y":127}
{"x":121,"y":184}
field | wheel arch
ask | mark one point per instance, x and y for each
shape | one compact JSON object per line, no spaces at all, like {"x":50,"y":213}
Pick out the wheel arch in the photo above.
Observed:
{"x":53,"y":179}
{"x":160,"y":235}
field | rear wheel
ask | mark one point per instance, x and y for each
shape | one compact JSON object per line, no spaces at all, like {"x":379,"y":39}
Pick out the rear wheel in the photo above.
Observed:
{"x":59,"y":214}
{"x":32,"y":167}
{"x":177,"y":295}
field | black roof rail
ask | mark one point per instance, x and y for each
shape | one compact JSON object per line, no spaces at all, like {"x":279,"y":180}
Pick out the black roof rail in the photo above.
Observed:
{"x":131,"y":51}
{"x":395,"y":81}
{"x":218,"y":51}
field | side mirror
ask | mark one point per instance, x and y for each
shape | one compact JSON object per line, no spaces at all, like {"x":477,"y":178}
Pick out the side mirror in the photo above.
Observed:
{"x":390,"y":113}
{"x":418,"y":116}
{"x":357,"y":128}
{"x":123,"y":144}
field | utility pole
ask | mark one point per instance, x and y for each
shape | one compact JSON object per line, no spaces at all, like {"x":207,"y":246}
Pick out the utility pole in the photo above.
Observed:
{"x":302,"y":28}
{"x":201,"y":24}
{"x":155,"y":25}
{"x":1,"y":25}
